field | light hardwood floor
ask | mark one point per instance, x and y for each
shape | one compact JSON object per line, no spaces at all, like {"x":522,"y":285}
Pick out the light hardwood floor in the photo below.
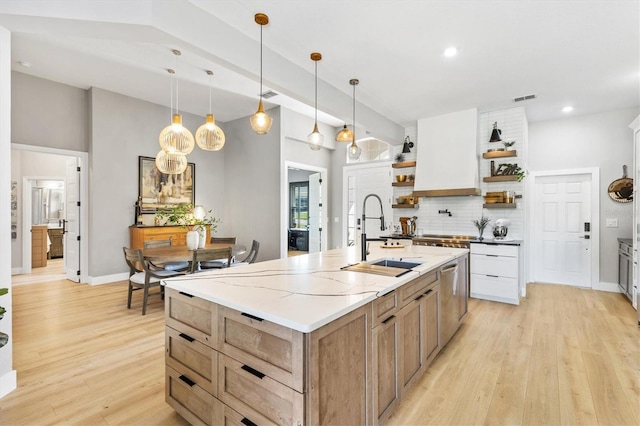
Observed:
{"x":564,"y":356}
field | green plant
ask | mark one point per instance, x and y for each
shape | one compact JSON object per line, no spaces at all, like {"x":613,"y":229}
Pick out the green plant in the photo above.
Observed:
{"x":399,"y":157}
{"x":4,"y":338}
{"x":511,"y":169}
{"x":481,"y":224}
{"x":182,"y":215}
{"x":508,"y":144}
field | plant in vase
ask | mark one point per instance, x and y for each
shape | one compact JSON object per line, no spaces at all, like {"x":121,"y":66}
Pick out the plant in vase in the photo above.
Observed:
{"x":194,"y":218}
{"x":481,"y":224}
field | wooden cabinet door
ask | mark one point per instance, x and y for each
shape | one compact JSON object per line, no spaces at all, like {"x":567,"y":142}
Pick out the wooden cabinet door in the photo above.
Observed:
{"x":386,"y":391}
{"x":411,"y":333}
{"x":431,"y":324}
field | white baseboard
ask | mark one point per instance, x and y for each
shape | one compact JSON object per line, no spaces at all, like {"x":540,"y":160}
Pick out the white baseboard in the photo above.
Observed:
{"x":8,"y":383}
{"x":107,"y":279}
{"x":604,"y":286}
{"x":17,"y":271}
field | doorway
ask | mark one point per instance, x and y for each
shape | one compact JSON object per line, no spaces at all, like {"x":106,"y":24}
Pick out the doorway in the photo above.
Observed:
{"x":565,"y":227}
{"x":69,"y":218}
{"x":304,"y":219}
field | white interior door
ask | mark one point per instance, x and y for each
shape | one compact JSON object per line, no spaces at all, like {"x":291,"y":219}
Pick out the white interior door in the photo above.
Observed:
{"x":358,"y":183}
{"x":72,"y":221}
{"x":315,"y":213}
{"x":562,"y":240}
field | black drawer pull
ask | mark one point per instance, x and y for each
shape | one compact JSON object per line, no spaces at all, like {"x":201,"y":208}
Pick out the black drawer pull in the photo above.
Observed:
{"x":187,"y":337}
{"x":493,"y":276}
{"x":246,"y":421}
{"x":244,"y":314}
{"x":253,"y":371}
{"x":185,"y":294}
{"x":492,"y":255}
{"x":428,"y":291}
{"x":388,"y":319}
{"x":187,"y":380}
{"x":419,"y":297}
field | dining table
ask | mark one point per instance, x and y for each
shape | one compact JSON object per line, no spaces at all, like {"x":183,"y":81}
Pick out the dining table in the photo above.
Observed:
{"x":181,"y":253}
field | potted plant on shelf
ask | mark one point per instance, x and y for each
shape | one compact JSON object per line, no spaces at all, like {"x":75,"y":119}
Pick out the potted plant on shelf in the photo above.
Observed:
{"x":194,"y":218}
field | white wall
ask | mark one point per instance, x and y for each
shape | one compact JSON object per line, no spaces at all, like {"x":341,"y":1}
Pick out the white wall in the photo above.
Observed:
{"x":8,"y":379}
{"x":599,"y":140}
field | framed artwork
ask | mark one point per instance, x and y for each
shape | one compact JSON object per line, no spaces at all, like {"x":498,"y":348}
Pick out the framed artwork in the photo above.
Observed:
{"x":162,"y":191}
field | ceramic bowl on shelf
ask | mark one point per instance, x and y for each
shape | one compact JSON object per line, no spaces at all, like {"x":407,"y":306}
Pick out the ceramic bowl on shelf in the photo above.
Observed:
{"x":401,"y":178}
{"x":401,"y":199}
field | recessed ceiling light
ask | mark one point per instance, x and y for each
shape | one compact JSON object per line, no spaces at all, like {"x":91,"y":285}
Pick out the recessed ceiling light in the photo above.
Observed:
{"x":25,"y":64}
{"x":567,"y":109}
{"x":450,"y":51}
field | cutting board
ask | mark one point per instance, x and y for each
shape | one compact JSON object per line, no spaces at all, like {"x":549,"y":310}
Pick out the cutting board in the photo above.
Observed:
{"x":387,"y":271}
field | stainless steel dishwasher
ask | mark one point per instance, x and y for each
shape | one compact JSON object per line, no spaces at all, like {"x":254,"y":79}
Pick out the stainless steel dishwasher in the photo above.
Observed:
{"x":449,"y":303}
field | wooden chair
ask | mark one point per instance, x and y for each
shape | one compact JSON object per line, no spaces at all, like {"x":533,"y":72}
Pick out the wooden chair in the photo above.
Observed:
{"x":229,"y":240}
{"x":251,"y":257}
{"x":142,"y":276}
{"x":210,"y":259}
{"x":169,"y":266}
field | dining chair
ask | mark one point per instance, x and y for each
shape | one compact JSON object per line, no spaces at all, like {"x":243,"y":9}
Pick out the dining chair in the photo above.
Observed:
{"x":169,"y":266}
{"x":251,"y":257}
{"x":210,"y":259}
{"x":229,"y":240}
{"x":143,"y":277}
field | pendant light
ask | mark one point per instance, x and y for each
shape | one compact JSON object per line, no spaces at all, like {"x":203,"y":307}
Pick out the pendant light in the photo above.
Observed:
{"x":176,"y":138}
{"x":209,"y":136}
{"x":354,"y":150}
{"x":260,"y":121}
{"x":171,"y":163}
{"x":315,"y":138}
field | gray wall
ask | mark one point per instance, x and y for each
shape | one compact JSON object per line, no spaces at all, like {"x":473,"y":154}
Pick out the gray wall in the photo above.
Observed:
{"x":600,"y":140}
{"x":252,"y":185}
{"x":45,"y":113}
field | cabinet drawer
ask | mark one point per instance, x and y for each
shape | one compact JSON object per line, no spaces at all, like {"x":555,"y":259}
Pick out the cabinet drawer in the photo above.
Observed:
{"x":193,"y":359}
{"x":505,"y":289}
{"x":193,"y":403}
{"x":272,"y":349}
{"x":384,"y":307}
{"x":257,"y":396}
{"x":415,"y":288}
{"x":191,"y":315}
{"x":494,"y":265}
{"x":478,"y":248}
{"x":233,"y":418}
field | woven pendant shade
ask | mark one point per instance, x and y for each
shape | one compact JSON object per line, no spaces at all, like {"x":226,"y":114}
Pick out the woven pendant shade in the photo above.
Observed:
{"x":171,"y":163}
{"x":209,"y":136}
{"x":176,"y":138}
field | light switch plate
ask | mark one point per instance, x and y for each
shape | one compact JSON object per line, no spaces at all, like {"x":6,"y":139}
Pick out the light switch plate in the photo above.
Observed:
{"x":612,"y":223}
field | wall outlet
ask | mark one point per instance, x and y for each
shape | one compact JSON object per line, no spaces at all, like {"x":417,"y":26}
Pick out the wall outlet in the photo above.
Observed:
{"x":612,"y":223}
{"x":336,"y":219}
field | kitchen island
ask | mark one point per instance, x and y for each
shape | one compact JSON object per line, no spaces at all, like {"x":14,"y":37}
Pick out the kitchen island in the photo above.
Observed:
{"x":302,"y":341}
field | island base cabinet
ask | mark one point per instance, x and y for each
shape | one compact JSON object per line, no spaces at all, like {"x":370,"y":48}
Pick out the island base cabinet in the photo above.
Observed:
{"x":411,"y":324}
{"x":432,"y":315}
{"x":196,"y":405}
{"x":339,"y":356}
{"x":195,"y":360}
{"x":385,"y":383}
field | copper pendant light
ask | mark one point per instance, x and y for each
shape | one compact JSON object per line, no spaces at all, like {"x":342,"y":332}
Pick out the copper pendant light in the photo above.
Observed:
{"x":354,"y":150}
{"x":260,"y":121}
{"x":315,"y":138}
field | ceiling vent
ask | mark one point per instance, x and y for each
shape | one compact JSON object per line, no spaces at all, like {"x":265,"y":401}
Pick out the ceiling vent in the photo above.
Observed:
{"x":524,"y":98}
{"x":269,"y":94}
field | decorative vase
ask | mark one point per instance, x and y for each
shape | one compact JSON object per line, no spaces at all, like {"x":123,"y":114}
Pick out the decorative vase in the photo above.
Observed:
{"x":202,"y":236}
{"x":481,"y":231}
{"x":192,"y":239}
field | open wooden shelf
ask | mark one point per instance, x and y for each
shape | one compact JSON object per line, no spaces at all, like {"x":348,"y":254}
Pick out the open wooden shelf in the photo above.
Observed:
{"x":403,"y":164}
{"x":404,"y":206}
{"x":505,"y":178}
{"x":499,"y":205}
{"x":402,"y":183}
{"x":500,"y":154}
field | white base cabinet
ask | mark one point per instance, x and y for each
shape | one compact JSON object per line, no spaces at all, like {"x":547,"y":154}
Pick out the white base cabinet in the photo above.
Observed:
{"x":496,"y":272}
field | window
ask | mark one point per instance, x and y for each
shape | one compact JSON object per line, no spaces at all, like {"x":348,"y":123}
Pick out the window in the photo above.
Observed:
{"x":299,"y":205}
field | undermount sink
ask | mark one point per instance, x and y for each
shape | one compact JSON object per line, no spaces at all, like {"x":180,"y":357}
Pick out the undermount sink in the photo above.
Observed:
{"x":396,"y":263}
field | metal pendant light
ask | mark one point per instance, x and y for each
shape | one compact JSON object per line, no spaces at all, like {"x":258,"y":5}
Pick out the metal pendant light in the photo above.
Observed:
{"x":176,"y":138}
{"x":260,"y":121}
{"x":315,"y":138}
{"x":209,"y":136}
{"x":354,"y":150}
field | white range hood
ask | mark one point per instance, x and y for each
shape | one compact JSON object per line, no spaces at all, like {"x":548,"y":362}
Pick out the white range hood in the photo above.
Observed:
{"x":447,"y":159}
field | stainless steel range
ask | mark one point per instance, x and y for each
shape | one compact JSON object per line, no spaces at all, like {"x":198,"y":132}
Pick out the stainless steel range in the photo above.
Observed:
{"x":457,"y":241}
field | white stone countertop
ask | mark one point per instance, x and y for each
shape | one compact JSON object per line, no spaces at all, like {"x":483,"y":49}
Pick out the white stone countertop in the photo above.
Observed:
{"x":308,"y":291}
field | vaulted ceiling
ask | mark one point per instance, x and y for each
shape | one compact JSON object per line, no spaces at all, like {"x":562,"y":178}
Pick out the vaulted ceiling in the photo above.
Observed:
{"x":580,"y":53}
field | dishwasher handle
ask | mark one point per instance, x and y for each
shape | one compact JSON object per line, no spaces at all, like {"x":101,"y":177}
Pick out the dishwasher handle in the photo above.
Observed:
{"x":451,"y":270}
